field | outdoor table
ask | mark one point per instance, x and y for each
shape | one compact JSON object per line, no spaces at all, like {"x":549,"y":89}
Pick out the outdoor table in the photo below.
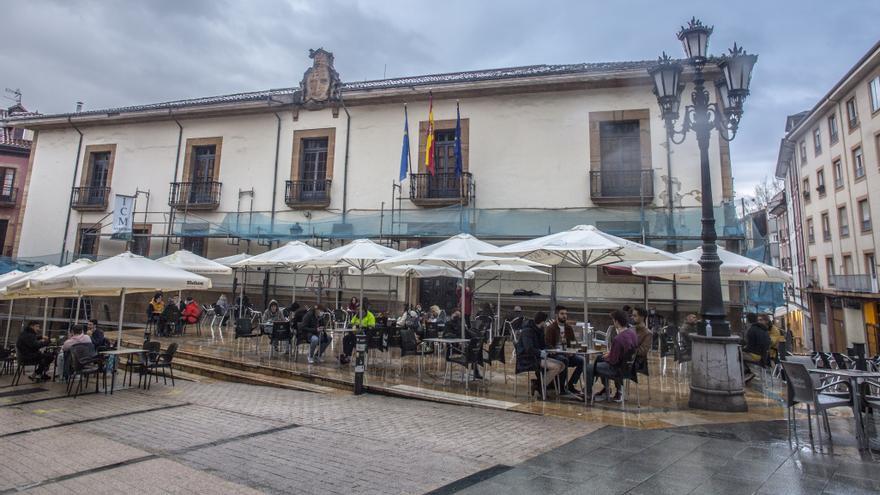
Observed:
{"x":586,"y":353}
{"x":53,"y":349}
{"x":121,"y":352}
{"x":854,"y":376}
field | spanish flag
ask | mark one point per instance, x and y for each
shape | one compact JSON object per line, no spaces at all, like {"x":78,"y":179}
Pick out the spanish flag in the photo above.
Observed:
{"x":429,"y":137}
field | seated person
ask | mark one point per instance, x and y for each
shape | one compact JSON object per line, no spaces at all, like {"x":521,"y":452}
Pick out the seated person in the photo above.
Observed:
{"x":271,"y":318}
{"x":29,"y":347}
{"x":313,"y":327}
{"x":559,"y":332}
{"x":609,"y":364}
{"x":531,"y":353}
{"x":367,"y":320}
{"x":101,"y":342}
{"x":78,"y":335}
{"x":757,"y":345}
{"x":191,"y":311}
{"x":645,"y":336}
{"x":437,"y":316}
{"x":169,"y":321}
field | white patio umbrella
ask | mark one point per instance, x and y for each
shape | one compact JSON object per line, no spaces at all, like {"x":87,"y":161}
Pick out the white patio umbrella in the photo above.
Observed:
{"x":7,"y":293}
{"x":733,"y":267}
{"x":583,"y":246}
{"x":462,"y":252}
{"x":5,"y":280}
{"x":291,"y":256}
{"x":42,"y":285}
{"x":193,"y":263}
{"x":231,"y":260}
{"x":128,"y":273}
{"x":361,"y":254}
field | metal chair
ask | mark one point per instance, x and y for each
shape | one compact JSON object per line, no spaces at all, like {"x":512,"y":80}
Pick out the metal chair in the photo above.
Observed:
{"x":805,"y":388}
{"x":84,"y":363}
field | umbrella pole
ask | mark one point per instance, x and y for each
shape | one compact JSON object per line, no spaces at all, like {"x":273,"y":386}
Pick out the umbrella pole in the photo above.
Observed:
{"x":586,"y":306}
{"x":361,"y":302}
{"x":8,"y":323}
{"x":121,"y":314}
{"x":294,"y":288}
{"x":45,"y":315}
{"x":498,"y":307}
{"x":463,"y":295}
{"x":241,"y":295}
{"x":76,"y":316}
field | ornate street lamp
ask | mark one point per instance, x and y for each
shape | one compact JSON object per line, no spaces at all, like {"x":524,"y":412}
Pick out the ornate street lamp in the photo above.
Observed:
{"x":702,"y":116}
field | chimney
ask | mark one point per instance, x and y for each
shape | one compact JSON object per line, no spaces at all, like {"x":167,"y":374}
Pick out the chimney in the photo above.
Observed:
{"x":79,"y":106}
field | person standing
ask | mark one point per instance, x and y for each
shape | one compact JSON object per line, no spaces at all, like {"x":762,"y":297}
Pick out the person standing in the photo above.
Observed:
{"x":468,"y":301}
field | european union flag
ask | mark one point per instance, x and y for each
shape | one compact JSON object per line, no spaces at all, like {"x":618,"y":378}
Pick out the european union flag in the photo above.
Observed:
{"x":404,"y":152}
{"x":458,"y":164}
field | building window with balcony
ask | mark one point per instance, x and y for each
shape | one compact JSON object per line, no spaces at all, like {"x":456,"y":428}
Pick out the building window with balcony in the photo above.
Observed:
{"x":874,"y":90}
{"x":817,"y":141}
{"x":620,"y":158}
{"x":806,"y":191}
{"x":8,"y":191}
{"x":848,"y":265}
{"x":93,"y":192}
{"x":837,"y":168}
{"x":865,"y":215}
{"x":832,"y":128}
{"x":826,"y":227}
{"x":803,"y":147}
{"x":87,"y":237}
{"x":200,"y":188}
{"x":871,"y":266}
{"x":820,"y":182}
{"x":443,"y":187}
{"x":814,"y":271}
{"x":829,"y":270}
{"x":843,"y":221}
{"x":311,"y":169}
{"x":858,"y":162}
{"x":811,"y":234}
{"x":852,"y":113}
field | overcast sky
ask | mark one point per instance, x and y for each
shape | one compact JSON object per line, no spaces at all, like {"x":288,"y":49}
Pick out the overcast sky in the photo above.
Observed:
{"x":111,"y":53}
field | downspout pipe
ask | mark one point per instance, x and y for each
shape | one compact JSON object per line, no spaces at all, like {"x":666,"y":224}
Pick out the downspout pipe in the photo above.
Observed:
{"x":275,"y":174}
{"x":72,"y":186}
{"x":168,"y":231}
{"x":345,"y":163}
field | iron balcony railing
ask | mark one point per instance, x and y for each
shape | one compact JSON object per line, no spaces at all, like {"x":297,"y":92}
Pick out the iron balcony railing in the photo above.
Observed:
{"x":90,"y":198}
{"x":441,"y":189}
{"x":622,"y":186}
{"x":854,"y":283}
{"x":307,"y":193}
{"x":195,"y":195}
{"x":8,"y":196}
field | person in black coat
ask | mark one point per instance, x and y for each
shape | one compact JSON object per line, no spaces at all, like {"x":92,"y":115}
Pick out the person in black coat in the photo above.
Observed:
{"x":757,"y":346}
{"x":29,"y":347}
{"x":531,"y":351}
{"x":312,"y":324}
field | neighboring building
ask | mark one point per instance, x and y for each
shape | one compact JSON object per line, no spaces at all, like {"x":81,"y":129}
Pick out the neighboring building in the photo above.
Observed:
{"x":830,"y":158}
{"x":15,"y":150}
{"x":544,"y":148}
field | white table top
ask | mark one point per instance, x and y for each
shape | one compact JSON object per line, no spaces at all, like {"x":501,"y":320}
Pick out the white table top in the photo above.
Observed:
{"x":117,"y":352}
{"x":442,"y":340}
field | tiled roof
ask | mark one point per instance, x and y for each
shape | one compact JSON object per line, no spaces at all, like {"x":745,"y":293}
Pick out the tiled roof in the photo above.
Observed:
{"x":401,"y":82}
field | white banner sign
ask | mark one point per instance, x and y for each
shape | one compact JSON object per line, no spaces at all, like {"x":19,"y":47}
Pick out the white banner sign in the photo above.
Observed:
{"x":123,"y":216}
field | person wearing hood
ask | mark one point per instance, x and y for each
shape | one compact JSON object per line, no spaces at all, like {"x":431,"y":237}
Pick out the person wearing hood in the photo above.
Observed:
{"x":531,"y":353}
{"x":273,"y":313}
{"x":312,"y":325}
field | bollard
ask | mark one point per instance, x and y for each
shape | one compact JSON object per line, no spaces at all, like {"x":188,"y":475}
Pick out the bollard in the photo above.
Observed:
{"x":359,"y":359}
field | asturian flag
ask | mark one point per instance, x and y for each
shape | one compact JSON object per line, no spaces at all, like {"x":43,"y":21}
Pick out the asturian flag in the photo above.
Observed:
{"x":404,"y":152}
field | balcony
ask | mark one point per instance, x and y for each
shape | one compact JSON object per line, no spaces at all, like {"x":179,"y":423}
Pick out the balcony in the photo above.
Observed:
{"x":622,"y":187}
{"x":307,"y":194}
{"x":8,"y":197}
{"x":854,"y":283}
{"x":806,"y":195}
{"x":195,"y":195}
{"x":90,"y":198}
{"x":440,"y":189}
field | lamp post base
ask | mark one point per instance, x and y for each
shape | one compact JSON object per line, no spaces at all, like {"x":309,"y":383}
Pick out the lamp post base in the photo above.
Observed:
{"x":716,"y":376}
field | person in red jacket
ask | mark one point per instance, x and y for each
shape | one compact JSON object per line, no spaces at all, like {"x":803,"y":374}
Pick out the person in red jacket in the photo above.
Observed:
{"x":191,"y":311}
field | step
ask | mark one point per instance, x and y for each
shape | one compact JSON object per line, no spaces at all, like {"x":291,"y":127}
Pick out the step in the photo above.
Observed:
{"x":241,"y":376}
